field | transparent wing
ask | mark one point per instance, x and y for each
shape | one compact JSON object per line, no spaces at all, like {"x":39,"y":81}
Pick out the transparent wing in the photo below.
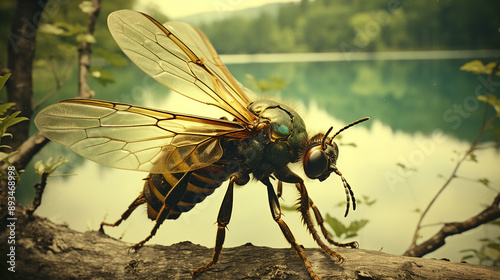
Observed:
{"x":136,"y":138}
{"x":182,"y":58}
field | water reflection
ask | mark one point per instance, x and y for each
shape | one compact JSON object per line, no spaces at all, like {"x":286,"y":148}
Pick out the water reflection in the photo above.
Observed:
{"x":407,"y":101}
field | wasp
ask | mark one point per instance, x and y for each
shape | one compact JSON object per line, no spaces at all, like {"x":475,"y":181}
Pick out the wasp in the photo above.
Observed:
{"x":187,"y":156}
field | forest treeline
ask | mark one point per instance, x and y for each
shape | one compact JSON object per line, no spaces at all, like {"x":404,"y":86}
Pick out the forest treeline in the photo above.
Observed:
{"x":345,"y":25}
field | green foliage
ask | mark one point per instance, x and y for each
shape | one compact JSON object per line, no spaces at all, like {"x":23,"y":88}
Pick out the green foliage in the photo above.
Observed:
{"x":492,"y":100}
{"x":477,"y":67}
{"x":103,"y":76}
{"x":339,"y":229}
{"x":343,"y":231}
{"x":3,"y":79}
{"x":6,"y":121}
{"x":489,"y":252}
{"x":379,"y":25}
{"x":50,"y":165}
{"x":64,"y":28}
{"x":274,"y":83}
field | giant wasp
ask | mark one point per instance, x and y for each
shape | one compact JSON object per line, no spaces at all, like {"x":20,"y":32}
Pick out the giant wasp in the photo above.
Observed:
{"x":187,"y":156}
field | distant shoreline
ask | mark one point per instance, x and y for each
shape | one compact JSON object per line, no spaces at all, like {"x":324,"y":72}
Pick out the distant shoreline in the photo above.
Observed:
{"x":358,"y":56}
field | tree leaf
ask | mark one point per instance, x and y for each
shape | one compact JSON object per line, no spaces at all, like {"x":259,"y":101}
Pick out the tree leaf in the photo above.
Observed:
{"x":336,"y":225}
{"x":477,"y":67}
{"x":4,"y":79}
{"x":492,"y":100}
{"x":10,"y":120}
{"x":355,"y":226}
{"x":103,"y":76}
{"x":86,"y":7}
{"x":51,"y":29}
{"x":6,"y":106}
{"x":85,"y":38}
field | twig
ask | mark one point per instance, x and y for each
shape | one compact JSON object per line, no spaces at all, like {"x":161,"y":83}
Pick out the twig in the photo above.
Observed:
{"x":59,"y":84}
{"x":39,"y":187}
{"x":411,"y":251}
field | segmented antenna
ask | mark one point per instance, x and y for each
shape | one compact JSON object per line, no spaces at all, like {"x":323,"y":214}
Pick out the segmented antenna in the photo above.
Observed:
{"x":346,"y":127}
{"x":324,"y":138}
{"x":348,"y":193}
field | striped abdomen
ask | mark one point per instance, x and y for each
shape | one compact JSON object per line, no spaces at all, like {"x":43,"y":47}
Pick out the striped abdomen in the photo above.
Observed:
{"x":202,"y":183}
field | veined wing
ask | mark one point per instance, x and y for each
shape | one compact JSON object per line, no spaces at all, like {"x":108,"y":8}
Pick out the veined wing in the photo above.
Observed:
{"x":180,"y":57}
{"x":136,"y":138}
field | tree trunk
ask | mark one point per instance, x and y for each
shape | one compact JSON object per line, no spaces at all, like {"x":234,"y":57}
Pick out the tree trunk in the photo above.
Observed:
{"x":21,"y":51}
{"x":44,"y":250}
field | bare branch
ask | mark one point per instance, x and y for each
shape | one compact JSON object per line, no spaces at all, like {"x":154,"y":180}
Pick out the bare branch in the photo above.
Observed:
{"x":485,"y":125}
{"x":40,"y":187}
{"x":437,"y":240}
{"x":59,"y":83}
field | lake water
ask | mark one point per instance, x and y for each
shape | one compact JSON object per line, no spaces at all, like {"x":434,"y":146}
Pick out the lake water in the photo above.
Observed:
{"x":423,"y":112}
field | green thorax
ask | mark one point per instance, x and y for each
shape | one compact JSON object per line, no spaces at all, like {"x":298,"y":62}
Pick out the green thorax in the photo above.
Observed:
{"x":286,"y":132}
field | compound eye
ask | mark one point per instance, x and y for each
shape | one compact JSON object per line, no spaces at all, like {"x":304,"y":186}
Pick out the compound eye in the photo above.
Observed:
{"x":315,"y":162}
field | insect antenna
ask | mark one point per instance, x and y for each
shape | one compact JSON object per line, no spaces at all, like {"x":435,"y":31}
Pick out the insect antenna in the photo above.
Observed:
{"x":348,"y":193}
{"x":346,"y":127}
{"x":323,"y":145}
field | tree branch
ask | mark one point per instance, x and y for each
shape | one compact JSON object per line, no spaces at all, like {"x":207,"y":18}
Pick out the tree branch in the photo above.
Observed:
{"x":44,"y":250}
{"x":485,"y":125}
{"x":489,"y":214}
{"x":84,"y":54}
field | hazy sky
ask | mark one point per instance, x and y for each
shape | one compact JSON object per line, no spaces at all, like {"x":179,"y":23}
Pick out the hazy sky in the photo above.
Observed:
{"x":182,"y":8}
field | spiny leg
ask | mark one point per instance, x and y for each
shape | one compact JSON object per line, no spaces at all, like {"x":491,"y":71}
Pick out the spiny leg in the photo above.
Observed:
{"x":286,"y":175}
{"x":326,"y":234}
{"x":141,"y":199}
{"x":276,"y":212}
{"x":171,"y":199}
{"x":320,"y":222}
{"x":223,"y":218}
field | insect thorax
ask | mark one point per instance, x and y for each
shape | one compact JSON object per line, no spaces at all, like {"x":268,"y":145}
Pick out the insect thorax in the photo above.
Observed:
{"x":280,"y":142}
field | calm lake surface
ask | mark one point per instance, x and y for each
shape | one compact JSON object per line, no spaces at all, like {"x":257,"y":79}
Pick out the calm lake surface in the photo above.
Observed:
{"x":424,"y":113}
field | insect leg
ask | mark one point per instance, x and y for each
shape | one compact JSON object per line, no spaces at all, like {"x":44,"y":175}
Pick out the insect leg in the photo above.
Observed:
{"x":326,"y":234}
{"x":276,"y":212}
{"x":141,"y":199}
{"x":223,"y":218}
{"x":171,"y":199}
{"x":288,"y":176}
{"x":279,"y":189}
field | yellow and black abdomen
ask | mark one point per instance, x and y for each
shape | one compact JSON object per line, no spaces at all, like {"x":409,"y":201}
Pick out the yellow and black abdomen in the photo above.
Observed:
{"x":202,"y":183}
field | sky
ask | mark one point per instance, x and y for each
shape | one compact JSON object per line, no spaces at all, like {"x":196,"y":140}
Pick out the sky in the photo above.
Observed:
{"x":181,"y":8}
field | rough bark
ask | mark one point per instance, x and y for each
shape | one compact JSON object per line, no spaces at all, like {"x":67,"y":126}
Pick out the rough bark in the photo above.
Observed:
{"x":44,"y":250}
